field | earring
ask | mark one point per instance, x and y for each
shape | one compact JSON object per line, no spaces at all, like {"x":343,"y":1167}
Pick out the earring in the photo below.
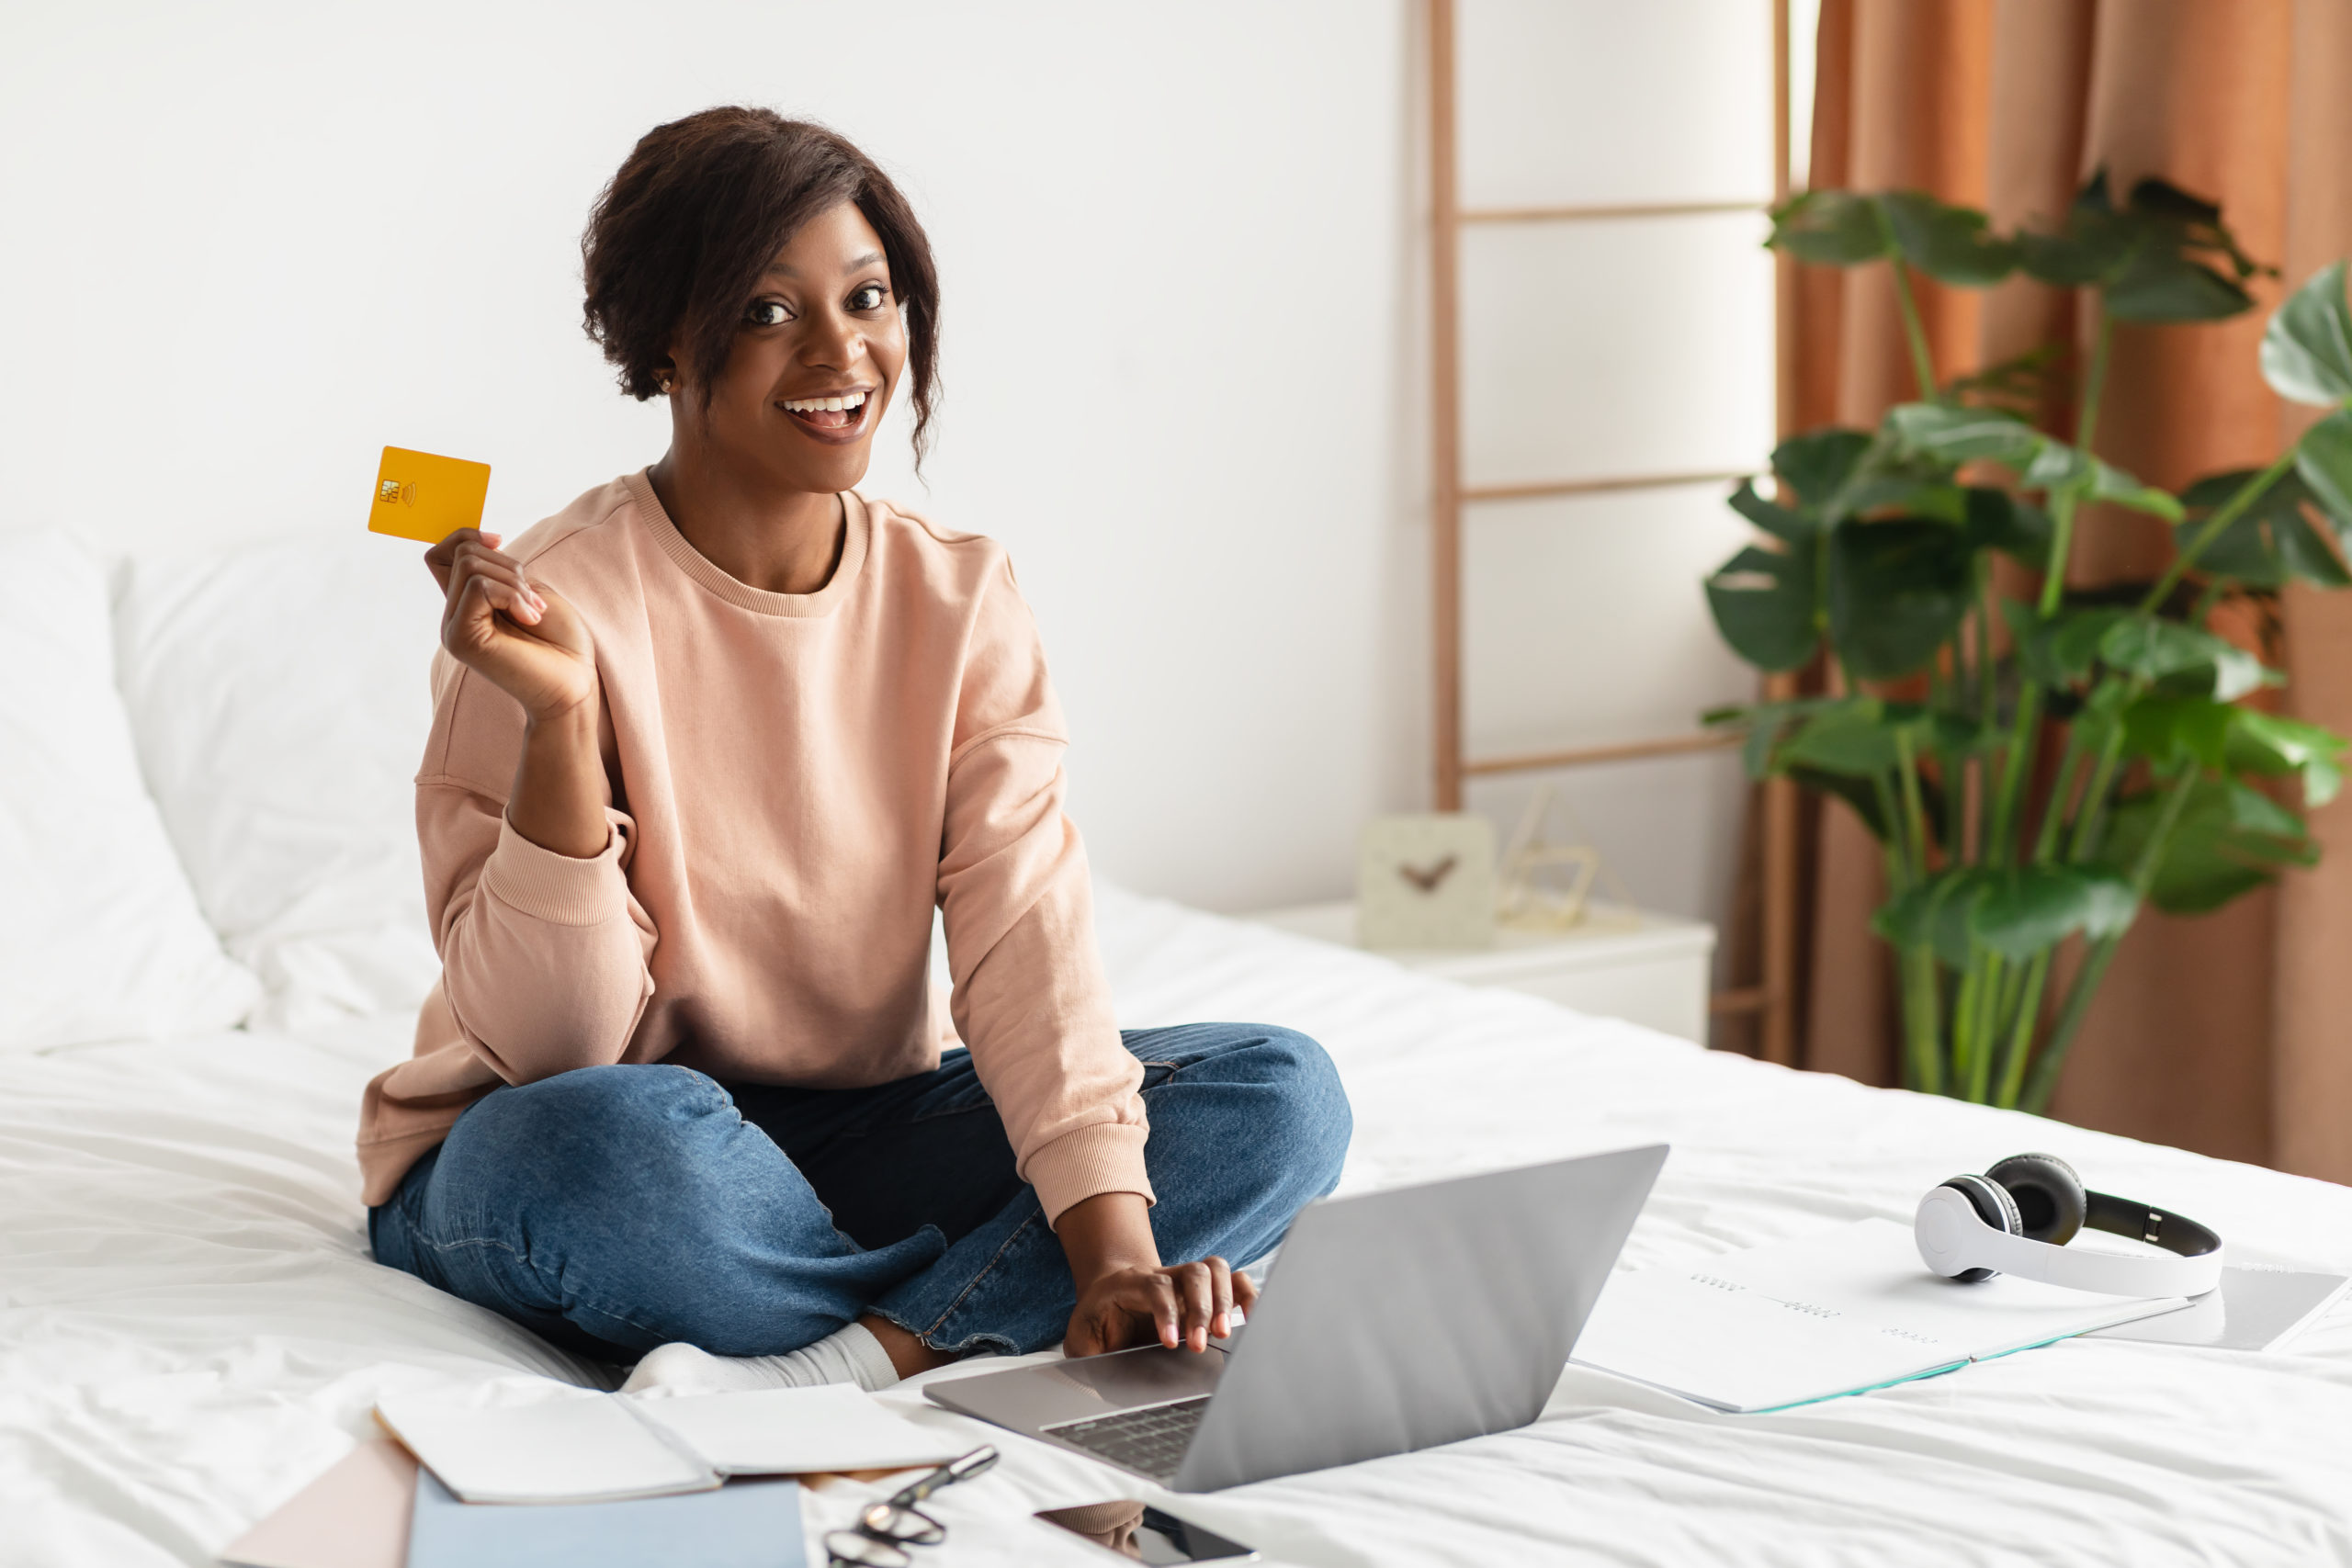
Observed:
{"x":661,"y":382}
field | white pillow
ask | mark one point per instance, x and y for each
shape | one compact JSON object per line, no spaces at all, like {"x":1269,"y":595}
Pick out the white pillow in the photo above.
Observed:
{"x":281,"y":695}
{"x":100,"y":936}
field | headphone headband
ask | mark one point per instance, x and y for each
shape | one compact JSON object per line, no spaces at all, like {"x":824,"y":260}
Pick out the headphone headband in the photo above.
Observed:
{"x":1955,"y":1238}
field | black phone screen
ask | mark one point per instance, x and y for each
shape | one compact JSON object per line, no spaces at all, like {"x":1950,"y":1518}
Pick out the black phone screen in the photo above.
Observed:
{"x":1142,"y":1533}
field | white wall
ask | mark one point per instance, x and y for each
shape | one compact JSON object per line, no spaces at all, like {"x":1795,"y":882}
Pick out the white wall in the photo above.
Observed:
{"x":249,"y":244}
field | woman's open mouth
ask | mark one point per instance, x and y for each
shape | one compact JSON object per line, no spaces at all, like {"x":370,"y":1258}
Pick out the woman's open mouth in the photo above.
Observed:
{"x":835,"y":418}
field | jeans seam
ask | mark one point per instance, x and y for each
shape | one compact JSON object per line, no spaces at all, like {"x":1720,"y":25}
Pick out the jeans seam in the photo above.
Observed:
{"x":526,"y":1260}
{"x":974,"y":1283}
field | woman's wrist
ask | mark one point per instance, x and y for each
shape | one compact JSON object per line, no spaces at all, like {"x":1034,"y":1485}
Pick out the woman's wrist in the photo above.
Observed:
{"x":558,"y":801}
{"x":1105,"y":1233}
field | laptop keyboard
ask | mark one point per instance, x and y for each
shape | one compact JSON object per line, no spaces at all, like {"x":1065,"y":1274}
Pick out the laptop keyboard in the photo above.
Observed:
{"x":1153,"y":1439}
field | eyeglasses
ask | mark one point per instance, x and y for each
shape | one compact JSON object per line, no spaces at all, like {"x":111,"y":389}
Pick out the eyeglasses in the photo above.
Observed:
{"x":886,"y":1529}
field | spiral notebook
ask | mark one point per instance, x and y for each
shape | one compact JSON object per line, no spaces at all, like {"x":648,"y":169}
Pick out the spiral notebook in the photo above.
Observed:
{"x":1839,"y":1312}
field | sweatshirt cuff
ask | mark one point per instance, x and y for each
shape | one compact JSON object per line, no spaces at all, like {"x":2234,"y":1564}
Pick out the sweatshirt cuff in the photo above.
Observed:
{"x":557,"y":888}
{"x":1102,"y":1156}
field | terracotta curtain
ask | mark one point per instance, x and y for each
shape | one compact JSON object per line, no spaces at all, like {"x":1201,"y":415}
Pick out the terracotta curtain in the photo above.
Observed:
{"x":2231,"y":1033}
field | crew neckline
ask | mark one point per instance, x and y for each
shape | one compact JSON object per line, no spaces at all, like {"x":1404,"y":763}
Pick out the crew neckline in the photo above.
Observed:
{"x":856,"y":531}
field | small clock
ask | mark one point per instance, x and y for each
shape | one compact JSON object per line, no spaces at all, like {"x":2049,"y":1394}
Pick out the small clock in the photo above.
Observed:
{"x":1425,"y":882}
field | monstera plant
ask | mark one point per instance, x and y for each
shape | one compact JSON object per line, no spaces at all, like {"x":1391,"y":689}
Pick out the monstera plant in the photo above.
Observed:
{"x":2041,"y":765}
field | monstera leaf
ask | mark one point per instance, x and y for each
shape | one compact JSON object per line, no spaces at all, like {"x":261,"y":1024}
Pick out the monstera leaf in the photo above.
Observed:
{"x":1897,"y":590}
{"x":2307,"y":349}
{"x":1832,"y":228}
{"x":1957,"y":434}
{"x":1766,"y":603}
{"x":2015,"y":911}
{"x":1951,"y":244}
{"x":2166,"y":256}
{"x":2229,"y":839}
{"x":2270,"y":544}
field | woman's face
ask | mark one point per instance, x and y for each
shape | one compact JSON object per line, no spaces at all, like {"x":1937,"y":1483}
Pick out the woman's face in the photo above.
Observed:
{"x":816,"y":357}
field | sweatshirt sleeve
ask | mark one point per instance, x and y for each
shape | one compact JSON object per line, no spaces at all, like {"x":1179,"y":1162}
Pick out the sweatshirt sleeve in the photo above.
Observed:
{"x":544,"y":957}
{"x":1030,"y":997}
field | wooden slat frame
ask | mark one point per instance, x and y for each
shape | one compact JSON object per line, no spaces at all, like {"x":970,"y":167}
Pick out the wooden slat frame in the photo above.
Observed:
{"x":1774,"y":996}
{"x":1604,"y":213}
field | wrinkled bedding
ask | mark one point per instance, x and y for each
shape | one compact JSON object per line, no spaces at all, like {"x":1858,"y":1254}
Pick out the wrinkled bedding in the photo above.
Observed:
{"x":190,"y":1327}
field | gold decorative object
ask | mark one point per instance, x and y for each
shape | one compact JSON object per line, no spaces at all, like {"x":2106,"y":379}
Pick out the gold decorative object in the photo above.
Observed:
{"x":1548,"y":885}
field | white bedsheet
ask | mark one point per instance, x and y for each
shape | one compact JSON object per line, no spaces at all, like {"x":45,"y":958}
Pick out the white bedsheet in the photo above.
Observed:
{"x":190,"y":1328}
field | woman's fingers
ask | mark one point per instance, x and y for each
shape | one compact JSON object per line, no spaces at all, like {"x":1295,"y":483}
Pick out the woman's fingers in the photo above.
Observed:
{"x":439,"y":559}
{"x":1200,"y":1303}
{"x":1220,"y":1296}
{"x":506,"y":587}
{"x":1245,"y":1293}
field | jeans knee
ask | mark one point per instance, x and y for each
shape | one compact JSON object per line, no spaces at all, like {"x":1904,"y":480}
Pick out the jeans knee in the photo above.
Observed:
{"x":623,"y":1116}
{"x":1313,"y":1121}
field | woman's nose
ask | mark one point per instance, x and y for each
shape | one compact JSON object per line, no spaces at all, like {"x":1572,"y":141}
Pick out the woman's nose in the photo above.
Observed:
{"x":836,"y":344}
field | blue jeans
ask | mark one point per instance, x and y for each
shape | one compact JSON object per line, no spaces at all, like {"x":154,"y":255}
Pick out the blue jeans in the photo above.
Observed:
{"x":615,"y":1209}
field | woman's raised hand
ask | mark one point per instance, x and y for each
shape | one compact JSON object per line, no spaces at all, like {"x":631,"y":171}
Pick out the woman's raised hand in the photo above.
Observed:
{"x":522,"y":637}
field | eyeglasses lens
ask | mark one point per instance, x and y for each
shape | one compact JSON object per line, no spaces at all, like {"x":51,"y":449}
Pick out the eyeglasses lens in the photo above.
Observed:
{"x":905,"y":1526}
{"x":861,"y":1551}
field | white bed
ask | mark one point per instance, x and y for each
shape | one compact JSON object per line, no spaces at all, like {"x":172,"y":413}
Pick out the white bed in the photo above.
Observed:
{"x":190,"y":1328}
{"x":193,"y":1329}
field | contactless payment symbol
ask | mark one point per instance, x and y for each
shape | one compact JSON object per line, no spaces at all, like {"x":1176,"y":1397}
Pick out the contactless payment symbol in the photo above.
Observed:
{"x":421,"y":495}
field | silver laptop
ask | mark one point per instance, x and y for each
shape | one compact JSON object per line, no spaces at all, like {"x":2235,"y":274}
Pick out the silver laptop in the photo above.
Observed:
{"x":1393,"y":1321}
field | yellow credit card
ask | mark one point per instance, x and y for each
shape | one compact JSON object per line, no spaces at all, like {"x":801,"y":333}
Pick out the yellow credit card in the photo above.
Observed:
{"x":421,"y":496}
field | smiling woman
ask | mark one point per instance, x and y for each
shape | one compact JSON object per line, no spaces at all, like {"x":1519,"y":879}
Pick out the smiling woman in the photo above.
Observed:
{"x":710,"y":747}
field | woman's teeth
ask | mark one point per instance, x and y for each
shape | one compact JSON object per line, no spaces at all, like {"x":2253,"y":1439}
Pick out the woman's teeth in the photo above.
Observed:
{"x":815,"y":409}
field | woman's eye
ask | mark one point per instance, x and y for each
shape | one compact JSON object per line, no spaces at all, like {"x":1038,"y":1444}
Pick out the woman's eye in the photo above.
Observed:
{"x":766,"y":313}
{"x":868,"y":297}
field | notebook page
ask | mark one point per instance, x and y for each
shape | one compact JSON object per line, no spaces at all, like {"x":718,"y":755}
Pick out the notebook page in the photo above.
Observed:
{"x":798,"y":1431}
{"x":1724,"y":1345}
{"x":1870,"y":1271}
{"x":1847,"y":1310}
{"x":567,"y":1450}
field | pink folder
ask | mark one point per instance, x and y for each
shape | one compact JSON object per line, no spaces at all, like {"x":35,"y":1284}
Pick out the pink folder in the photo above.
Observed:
{"x":354,"y":1516}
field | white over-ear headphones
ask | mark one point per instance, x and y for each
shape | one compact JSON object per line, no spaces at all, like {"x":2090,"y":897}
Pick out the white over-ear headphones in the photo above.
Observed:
{"x":2017,"y":1217}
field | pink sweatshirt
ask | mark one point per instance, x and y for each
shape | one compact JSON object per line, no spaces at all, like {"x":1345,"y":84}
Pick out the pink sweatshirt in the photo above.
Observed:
{"x":795,"y":781}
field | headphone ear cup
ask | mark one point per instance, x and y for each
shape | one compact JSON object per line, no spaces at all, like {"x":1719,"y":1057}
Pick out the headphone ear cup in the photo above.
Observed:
{"x":1994,"y":1207}
{"x":2047,"y":1195}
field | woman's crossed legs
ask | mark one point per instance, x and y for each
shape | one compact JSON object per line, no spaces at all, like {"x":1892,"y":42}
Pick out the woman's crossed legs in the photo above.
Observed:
{"x":615,"y":1209}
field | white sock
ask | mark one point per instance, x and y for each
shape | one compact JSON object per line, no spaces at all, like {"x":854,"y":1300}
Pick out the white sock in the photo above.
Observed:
{"x":849,"y":1355}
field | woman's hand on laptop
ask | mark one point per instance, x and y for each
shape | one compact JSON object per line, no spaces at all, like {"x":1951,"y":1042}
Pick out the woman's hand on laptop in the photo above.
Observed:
{"x":1127,"y":1298}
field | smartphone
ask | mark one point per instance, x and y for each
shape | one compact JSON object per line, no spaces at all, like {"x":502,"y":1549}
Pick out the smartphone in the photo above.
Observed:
{"x":1141,"y":1533}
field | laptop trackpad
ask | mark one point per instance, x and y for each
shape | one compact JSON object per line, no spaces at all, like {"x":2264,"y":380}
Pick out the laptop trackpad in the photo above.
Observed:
{"x":1028,"y":1398}
{"x":1153,"y":1375}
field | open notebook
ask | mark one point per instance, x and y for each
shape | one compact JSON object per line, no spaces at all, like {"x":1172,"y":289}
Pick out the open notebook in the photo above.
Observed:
{"x":574,"y":1446}
{"x":1848,"y":1309}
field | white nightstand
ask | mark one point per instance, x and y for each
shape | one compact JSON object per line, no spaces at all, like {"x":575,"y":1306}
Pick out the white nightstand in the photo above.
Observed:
{"x":1629,"y":964}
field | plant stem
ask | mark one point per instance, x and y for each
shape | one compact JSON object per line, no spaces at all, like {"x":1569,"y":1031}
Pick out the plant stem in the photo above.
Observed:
{"x":2091,"y":817}
{"x":1969,"y":1001}
{"x":2020,"y":1042}
{"x":2094,"y":384}
{"x":2224,"y":516}
{"x":2052,"y":1057}
{"x":1919,"y":1006}
{"x":1988,"y":1024}
{"x":2013,"y":769}
{"x":2206,"y":600}
{"x":1923,"y":362}
{"x":2054,"y":813}
{"x":1915,"y":813}
{"x":1987,"y":697}
{"x":2062,"y":542}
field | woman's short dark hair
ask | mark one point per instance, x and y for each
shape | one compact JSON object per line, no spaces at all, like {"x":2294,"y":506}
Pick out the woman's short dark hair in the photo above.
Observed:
{"x":677,"y":243}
